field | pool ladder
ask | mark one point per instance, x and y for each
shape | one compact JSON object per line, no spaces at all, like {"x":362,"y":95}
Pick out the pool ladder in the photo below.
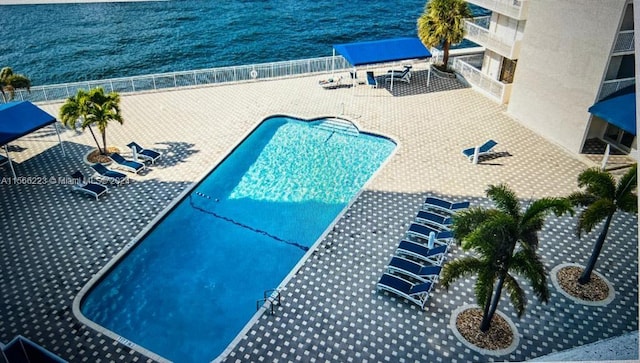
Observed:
{"x":272,"y":297}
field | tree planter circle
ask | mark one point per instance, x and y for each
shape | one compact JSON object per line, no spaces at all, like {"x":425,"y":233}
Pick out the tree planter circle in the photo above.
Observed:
{"x":442,"y":74}
{"x":110,"y":149}
{"x":556,"y":283}
{"x":494,"y":352}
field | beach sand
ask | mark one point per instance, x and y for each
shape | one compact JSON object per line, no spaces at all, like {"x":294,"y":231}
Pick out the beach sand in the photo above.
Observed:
{"x":34,"y":2}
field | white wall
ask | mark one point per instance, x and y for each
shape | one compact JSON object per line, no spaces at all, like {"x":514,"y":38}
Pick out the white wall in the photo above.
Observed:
{"x":563,"y":60}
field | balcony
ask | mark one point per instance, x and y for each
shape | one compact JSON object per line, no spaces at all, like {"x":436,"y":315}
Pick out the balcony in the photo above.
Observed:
{"x":495,"y":89}
{"x":516,"y":9}
{"x":509,"y":48}
{"x":624,"y":42}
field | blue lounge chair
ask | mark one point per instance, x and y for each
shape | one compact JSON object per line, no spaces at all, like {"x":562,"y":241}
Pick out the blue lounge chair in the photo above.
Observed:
{"x":440,"y":205}
{"x":371,"y":80}
{"x":422,"y":231}
{"x":413,"y":269}
{"x":429,"y":218}
{"x":404,"y":76}
{"x":434,"y":256}
{"x":416,"y":293}
{"x":484,"y":149}
{"x":82,"y":186}
{"x":103,"y":174}
{"x":128,"y":165}
{"x":144,"y":154}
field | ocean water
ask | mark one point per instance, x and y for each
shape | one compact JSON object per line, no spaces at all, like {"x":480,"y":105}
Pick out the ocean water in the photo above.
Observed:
{"x":59,"y":43}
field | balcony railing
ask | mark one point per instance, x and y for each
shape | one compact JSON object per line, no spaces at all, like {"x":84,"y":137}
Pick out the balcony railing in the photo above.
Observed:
{"x":608,"y":87}
{"x":506,"y":47}
{"x":495,"y":89}
{"x":195,"y":78}
{"x":625,"y":42}
{"x":516,"y":9}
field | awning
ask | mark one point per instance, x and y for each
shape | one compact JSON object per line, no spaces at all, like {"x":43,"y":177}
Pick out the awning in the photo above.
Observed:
{"x":21,"y":118}
{"x":382,"y":51}
{"x":618,"y":109}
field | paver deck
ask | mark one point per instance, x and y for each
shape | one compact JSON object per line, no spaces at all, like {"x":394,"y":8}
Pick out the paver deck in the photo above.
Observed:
{"x":54,"y":240}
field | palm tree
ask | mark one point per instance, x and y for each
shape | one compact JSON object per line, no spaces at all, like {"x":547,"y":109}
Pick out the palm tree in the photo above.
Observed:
{"x":442,"y":23}
{"x":93,"y":108}
{"x":10,"y":81}
{"x":602,"y":197}
{"x":505,"y":241}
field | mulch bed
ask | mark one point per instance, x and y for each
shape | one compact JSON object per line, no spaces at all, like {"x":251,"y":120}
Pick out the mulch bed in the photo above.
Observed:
{"x":594,"y":290}
{"x":96,"y":157}
{"x":499,"y":335}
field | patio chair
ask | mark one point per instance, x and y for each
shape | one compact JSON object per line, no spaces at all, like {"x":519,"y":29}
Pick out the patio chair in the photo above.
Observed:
{"x":404,"y":76}
{"x":128,"y":165}
{"x":437,"y":220}
{"x":416,"y":293}
{"x":422,"y":231}
{"x":371,"y":80}
{"x":104,"y":174}
{"x":85,"y":187}
{"x":434,"y":256}
{"x":484,"y":149}
{"x":444,"y":206}
{"x":426,"y":273}
{"x":144,"y":154}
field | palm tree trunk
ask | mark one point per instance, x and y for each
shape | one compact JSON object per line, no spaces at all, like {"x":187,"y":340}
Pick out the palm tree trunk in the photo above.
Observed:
{"x":492,"y":307}
{"x":104,"y":141}
{"x":445,"y":50}
{"x":586,"y":274}
{"x":96,"y":140}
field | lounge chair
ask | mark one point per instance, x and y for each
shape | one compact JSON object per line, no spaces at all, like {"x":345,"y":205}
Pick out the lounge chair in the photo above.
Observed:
{"x":439,"y":221}
{"x":144,"y":154}
{"x":426,"y":273}
{"x":404,"y":76}
{"x":81,"y":185}
{"x":371,"y":80}
{"x":330,"y":83}
{"x":484,"y":149}
{"x":128,"y":165}
{"x":416,"y":293}
{"x":103,"y":174}
{"x":422,"y":231}
{"x":441,"y":205}
{"x":434,"y":256}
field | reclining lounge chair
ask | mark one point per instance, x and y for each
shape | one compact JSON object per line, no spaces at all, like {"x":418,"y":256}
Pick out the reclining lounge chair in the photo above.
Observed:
{"x":144,"y":154}
{"x":484,"y":149}
{"x":128,"y":165}
{"x":416,"y":293}
{"x":434,"y":256}
{"x":440,"y":205}
{"x":103,"y":174}
{"x":371,"y":80}
{"x":404,"y":76}
{"x":422,"y":231}
{"x":426,"y":273}
{"x":81,"y":185}
{"x":436,"y":220}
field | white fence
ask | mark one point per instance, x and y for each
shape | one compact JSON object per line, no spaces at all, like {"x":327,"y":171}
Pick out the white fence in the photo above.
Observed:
{"x":195,"y":78}
{"x":476,"y":78}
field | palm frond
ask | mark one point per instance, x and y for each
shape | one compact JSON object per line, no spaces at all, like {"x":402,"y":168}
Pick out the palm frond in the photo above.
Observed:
{"x":581,"y":199}
{"x":628,"y":183}
{"x":461,"y":267}
{"x":593,"y":214}
{"x":483,"y":288}
{"x":598,"y":182}
{"x":466,"y":221}
{"x":516,"y":294}
{"x":528,"y":264}
{"x":542,"y":207}
{"x":628,"y":203}
{"x":504,"y":199}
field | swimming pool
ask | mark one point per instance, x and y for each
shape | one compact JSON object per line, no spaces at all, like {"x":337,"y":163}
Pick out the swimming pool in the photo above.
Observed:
{"x":190,"y":284}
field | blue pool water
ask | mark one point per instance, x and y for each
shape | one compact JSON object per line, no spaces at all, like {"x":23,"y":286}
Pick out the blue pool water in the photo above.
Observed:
{"x":58,"y":43}
{"x":191,"y":284}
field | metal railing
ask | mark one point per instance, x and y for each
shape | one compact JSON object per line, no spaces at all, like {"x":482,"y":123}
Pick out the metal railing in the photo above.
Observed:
{"x":625,"y":41}
{"x":506,"y":47}
{"x":516,"y":9}
{"x":609,"y":87}
{"x":203,"y":77}
{"x":476,"y":78}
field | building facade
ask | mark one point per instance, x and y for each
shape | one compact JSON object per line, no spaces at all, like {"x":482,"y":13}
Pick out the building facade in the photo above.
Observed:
{"x":550,"y":61}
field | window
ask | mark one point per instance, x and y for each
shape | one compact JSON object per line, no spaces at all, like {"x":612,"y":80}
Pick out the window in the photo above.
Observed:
{"x":618,"y":137}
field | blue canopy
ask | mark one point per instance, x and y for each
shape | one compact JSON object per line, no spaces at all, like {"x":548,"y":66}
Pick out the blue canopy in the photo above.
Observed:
{"x":382,"y":51}
{"x":619,"y":110}
{"x":21,"y":118}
